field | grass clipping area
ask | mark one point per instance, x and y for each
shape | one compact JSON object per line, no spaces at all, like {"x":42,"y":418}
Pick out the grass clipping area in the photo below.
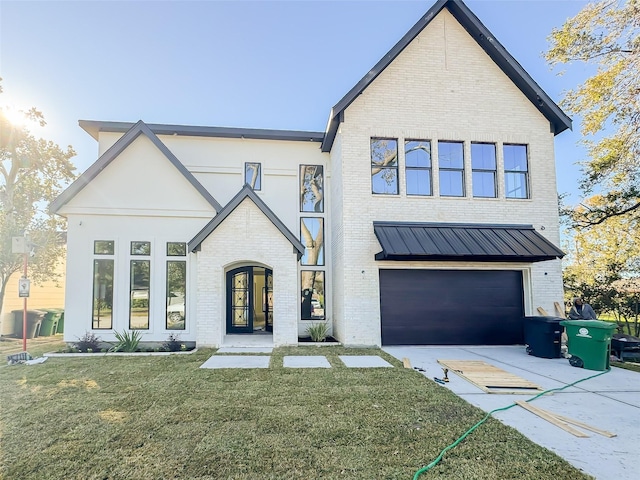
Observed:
{"x":164,"y":417}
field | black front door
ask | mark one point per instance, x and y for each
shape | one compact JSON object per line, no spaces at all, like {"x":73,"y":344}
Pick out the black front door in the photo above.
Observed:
{"x":249,"y":300}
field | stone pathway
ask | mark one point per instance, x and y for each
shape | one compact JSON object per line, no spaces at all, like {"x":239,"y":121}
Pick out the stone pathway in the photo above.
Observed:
{"x":289,"y":361}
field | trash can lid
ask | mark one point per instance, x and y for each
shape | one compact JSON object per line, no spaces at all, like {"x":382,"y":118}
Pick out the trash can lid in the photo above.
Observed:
{"x":590,"y":324}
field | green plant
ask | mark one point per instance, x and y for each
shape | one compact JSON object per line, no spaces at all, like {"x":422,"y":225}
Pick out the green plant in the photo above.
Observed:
{"x":318,"y":331}
{"x":173,"y":343}
{"x":88,"y":343}
{"x":127,"y":341}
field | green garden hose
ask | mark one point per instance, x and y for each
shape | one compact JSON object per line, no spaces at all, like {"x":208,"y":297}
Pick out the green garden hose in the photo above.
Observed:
{"x":465,"y":434}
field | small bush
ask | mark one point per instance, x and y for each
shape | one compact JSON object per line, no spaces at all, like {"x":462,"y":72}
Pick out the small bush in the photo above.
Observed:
{"x":318,"y":331}
{"x":173,"y":343}
{"x":127,"y":341}
{"x":88,"y":343}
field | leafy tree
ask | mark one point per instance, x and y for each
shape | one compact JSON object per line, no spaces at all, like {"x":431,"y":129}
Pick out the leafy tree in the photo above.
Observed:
{"x":605,"y":34}
{"x":32,"y":173}
{"x":603,"y":266}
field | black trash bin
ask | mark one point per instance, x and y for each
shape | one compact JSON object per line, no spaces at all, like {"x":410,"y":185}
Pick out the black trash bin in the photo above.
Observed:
{"x":34,"y":321}
{"x":543,"y":336}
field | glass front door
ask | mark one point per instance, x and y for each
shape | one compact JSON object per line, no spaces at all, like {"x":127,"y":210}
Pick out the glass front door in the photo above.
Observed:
{"x":249,"y":300}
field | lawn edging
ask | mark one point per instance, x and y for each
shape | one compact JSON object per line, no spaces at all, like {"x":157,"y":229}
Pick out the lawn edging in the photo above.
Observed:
{"x":117,"y":354}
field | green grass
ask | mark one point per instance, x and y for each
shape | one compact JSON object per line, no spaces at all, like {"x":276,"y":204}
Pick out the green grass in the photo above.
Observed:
{"x":163,"y":417}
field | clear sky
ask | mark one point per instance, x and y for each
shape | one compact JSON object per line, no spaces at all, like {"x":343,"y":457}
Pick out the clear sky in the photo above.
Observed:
{"x":254,"y":64}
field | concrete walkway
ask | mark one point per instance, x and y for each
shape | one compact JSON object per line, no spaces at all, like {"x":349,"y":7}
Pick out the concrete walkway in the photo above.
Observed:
{"x":609,"y":402}
{"x":243,"y":357}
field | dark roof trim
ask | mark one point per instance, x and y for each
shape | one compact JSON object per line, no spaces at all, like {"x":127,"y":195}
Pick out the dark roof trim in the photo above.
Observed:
{"x":462,"y":242}
{"x":246,"y":192}
{"x":93,"y":128}
{"x":559,"y":120}
{"x":135,"y":130}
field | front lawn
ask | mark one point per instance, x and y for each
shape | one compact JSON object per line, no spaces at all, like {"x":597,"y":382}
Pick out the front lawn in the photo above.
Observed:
{"x":163,"y":417}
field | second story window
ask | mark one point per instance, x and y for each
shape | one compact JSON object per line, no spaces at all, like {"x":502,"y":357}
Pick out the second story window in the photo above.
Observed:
{"x":417,"y":159}
{"x":516,"y":171}
{"x":483,"y":166}
{"x":253,"y":175}
{"x":384,"y":166}
{"x":451,"y":166}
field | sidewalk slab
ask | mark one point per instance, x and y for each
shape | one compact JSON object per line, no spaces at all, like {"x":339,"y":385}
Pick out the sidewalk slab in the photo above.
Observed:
{"x":237,"y":361}
{"x":364,"y":361}
{"x":305,"y":361}
{"x":245,"y":350}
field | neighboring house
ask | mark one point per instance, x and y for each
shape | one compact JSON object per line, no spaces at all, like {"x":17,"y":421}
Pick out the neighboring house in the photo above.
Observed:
{"x":426,"y":213}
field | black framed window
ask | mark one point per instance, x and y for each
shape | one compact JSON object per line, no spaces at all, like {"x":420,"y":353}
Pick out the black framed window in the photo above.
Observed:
{"x":312,"y":237}
{"x":483,"y":169}
{"x":176,"y":249}
{"x":253,"y":175}
{"x":140,"y":248}
{"x":312,"y":295}
{"x":102,"y":304}
{"x":312,"y":188}
{"x":103,"y":247}
{"x":516,"y":171}
{"x":384,"y":166}
{"x":176,"y":318}
{"x":417,"y":159}
{"x":451,"y":168}
{"x":139,"y":294}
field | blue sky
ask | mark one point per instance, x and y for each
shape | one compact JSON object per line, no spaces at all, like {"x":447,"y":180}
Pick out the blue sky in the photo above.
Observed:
{"x":255,"y":64}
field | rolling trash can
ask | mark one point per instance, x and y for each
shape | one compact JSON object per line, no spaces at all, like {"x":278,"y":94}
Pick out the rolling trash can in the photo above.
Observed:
{"x":543,"y":336}
{"x":34,"y":321}
{"x":589,"y":343}
{"x":50,"y":321}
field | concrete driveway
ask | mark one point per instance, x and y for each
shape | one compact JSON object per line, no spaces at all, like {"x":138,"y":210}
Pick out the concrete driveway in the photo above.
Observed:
{"x":609,"y":402}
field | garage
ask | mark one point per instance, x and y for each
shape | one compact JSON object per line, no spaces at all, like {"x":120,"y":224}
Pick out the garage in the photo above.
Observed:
{"x":451,"y":307}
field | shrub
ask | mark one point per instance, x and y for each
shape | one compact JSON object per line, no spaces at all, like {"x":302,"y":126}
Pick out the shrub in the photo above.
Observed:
{"x":88,"y":343}
{"x":318,"y":331}
{"x":127,"y":341}
{"x":173,"y":343}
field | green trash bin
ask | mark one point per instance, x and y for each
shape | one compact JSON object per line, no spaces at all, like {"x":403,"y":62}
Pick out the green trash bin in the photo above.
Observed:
{"x":50,"y":321}
{"x":61,"y":322}
{"x":589,"y":343}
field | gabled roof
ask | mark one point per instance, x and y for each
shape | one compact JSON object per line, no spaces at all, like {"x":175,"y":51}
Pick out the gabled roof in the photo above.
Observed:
{"x":246,"y":192}
{"x":462,"y":242}
{"x":93,"y":128}
{"x":132,"y":133}
{"x":559,"y":120}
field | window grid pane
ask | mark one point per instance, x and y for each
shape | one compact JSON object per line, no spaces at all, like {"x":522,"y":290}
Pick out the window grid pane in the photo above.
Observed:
{"x":253,"y":175}
{"x":176,"y":294}
{"x":102,"y":294}
{"x":483,"y":164}
{"x":451,"y":165}
{"x":312,"y":188}
{"x":139,"y":295}
{"x":417,"y":157}
{"x":384,"y":166}
{"x":516,"y":171}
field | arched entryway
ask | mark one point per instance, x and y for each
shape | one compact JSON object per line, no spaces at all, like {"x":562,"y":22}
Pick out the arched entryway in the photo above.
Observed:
{"x":249,"y":300}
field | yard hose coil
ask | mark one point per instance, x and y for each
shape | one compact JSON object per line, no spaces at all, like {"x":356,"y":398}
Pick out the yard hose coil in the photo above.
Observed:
{"x":486,"y":417}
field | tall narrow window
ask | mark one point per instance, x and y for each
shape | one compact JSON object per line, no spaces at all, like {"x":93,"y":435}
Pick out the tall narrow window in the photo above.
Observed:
{"x":139,"y":295}
{"x":176,"y":294}
{"x":312,"y":237}
{"x":384,"y":166}
{"x":312,"y":295}
{"x":252,"y":175}
{"x":516,"y":171}
{"x":483,"y":166}
{"x":451,"y":166}
{"x":417,"y":159}
{"x":102,"y":294}
{"x":311,"y":188}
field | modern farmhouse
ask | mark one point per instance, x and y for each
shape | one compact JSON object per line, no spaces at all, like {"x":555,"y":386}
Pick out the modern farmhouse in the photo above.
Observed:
{"x":425,"y":213}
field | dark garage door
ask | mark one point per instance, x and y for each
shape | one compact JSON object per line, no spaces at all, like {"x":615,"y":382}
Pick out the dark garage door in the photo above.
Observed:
{"x":451,"y":307}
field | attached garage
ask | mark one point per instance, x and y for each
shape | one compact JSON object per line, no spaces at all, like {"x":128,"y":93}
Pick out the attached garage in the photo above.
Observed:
{"x":451,"y":307}
{"x":485,"y":306}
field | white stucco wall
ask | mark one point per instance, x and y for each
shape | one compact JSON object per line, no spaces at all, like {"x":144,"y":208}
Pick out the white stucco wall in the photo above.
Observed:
{"x":443,"y":86}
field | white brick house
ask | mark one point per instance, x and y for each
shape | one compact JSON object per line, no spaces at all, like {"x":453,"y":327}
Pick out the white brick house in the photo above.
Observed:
{"x":426,"y":213}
